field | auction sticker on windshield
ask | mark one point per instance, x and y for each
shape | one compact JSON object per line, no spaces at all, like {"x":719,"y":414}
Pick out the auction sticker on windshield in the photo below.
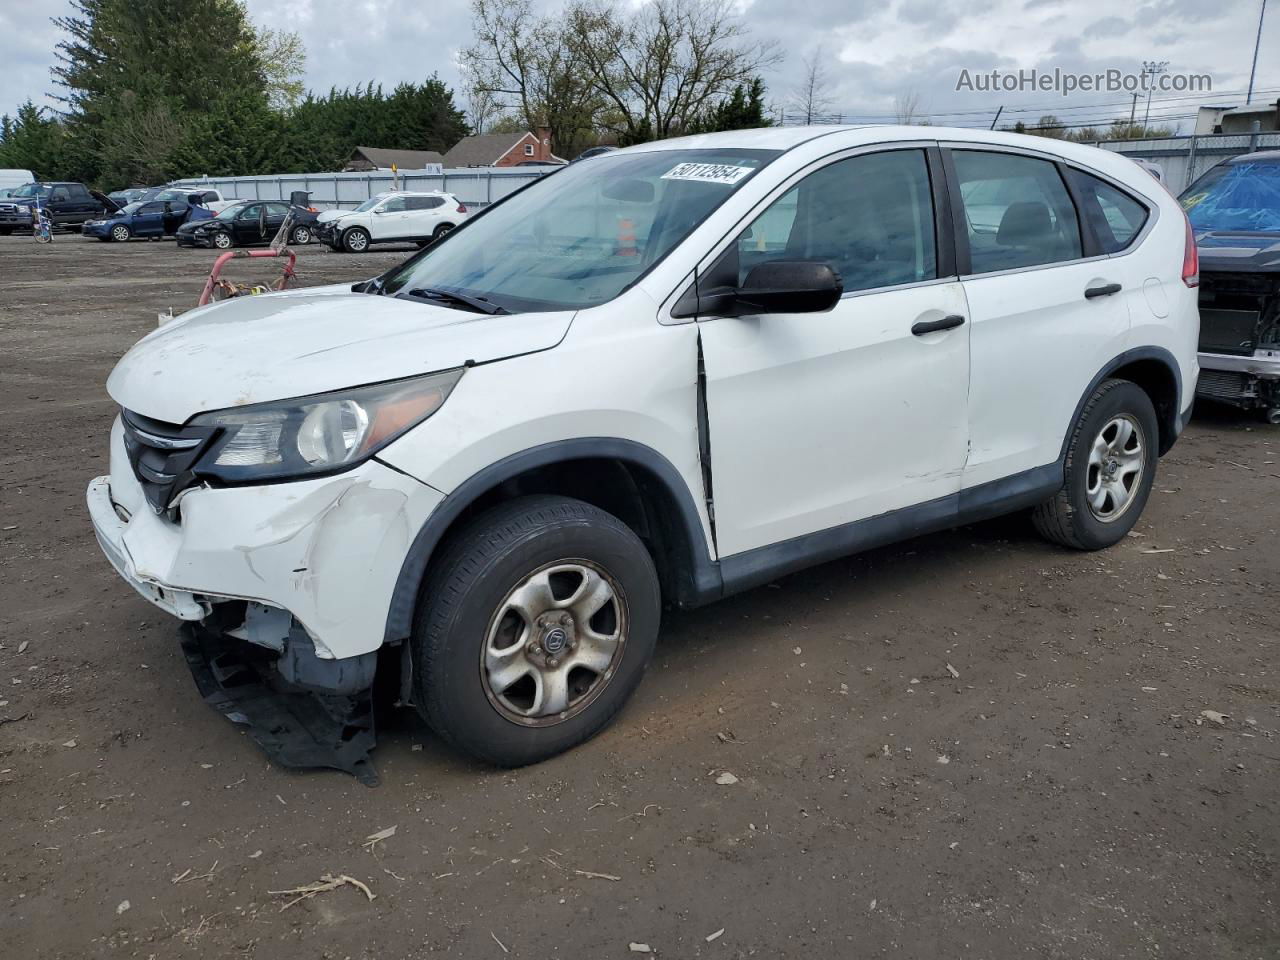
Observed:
{"x":725,"y":173}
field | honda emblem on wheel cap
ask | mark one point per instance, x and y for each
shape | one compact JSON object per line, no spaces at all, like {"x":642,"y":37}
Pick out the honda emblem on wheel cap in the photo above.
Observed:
{"x":554,"y":641}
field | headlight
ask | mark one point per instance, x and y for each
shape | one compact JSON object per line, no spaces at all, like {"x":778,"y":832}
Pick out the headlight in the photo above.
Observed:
{"x":318,"y":434}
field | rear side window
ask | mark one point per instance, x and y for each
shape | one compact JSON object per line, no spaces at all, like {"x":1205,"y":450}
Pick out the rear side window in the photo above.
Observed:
{"x":870,"y":217}
{"x":1017,"y":211}
{"x":209,"y":197}
{"x":1115,"y":217}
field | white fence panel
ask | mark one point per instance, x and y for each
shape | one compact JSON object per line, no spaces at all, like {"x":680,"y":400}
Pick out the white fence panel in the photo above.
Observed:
{"x":474,"y":186}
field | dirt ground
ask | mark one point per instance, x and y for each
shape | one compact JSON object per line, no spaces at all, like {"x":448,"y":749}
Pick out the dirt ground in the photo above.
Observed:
{"x":969,"y":745}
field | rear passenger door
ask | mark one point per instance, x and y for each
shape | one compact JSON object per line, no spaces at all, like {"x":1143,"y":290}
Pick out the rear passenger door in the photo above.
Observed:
{"x":1046,"y":308}
{"x":424,"y":215}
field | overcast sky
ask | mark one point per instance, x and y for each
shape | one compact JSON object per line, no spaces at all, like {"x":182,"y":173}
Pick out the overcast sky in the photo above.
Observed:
{"x":874,"y":50}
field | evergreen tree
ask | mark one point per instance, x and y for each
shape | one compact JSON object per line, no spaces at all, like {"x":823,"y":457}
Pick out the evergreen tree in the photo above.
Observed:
{"x":741,"y":110}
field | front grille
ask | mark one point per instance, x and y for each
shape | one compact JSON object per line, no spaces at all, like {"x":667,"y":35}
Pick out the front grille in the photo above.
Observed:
{"x":1226,"y":385}
{"x":162,"y":455}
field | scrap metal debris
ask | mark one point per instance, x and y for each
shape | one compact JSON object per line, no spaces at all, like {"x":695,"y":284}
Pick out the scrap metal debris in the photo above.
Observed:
{"x":499,"y":942}
{"x":326,"y":883}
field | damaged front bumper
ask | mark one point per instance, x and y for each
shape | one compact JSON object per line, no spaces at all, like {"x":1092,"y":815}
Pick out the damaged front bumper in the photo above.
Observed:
{"x":293,"y":580}
{"x":296,"y":723}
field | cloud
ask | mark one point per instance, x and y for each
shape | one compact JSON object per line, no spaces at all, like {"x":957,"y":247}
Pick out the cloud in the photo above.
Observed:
{"x":875,"y":50}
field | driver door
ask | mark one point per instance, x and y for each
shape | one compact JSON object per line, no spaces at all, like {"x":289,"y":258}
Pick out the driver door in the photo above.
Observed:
{"x":247,"y":226}
{"x":816,"y":420}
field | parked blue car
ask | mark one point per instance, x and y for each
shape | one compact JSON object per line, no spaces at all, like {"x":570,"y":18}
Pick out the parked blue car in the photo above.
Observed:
{"x":148,"y":218}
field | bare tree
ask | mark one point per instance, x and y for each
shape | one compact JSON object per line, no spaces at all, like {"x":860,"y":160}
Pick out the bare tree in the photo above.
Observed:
{"x":906,"y":108}
{"x":813,"y":97}
{"x":660,"y":66}
{"x":526,"y":66}
{"x":142,"y":139}
{"x":482,"y":108}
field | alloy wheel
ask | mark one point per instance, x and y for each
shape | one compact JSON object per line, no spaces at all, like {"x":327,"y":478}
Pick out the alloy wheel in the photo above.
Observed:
{"x":1117,"y":461}
{"x":120,"y":233}
{"x":554,"y":643}
{"x":221,"y":241}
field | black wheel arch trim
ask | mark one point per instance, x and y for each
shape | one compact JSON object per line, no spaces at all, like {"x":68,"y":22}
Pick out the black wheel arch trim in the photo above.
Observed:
{"x":697,"y":574}
{"x":1171,"y":421}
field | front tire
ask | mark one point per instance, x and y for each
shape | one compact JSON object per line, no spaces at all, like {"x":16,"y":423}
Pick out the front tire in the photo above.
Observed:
{"x":356,"y":240}
{"x":120,"y":233}
{"x":222,"y":240}
{"x":535,"y":627}
{"x":1110,"y":467}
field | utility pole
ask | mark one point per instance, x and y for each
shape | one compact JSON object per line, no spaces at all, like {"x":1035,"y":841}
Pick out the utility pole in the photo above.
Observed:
{"x":1133,"y":109}
{"x":1153,"y":69}
{"x":997,"y":116}
{"x":1256,"y":44}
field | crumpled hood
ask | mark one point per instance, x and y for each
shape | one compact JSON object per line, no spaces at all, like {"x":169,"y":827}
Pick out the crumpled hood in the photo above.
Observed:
{"x":277,"y":346}
{"x":324,"y":216}
{"x":1238,"y":252}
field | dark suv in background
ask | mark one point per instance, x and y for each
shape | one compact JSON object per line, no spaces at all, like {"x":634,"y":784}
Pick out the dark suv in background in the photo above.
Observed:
{"x":1234,"y":211}
{"x":68,"y":205}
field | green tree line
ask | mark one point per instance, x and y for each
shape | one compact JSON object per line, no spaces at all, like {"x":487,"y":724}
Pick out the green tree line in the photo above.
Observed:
{"x":151,"y":90}
{"x":154,"y":90}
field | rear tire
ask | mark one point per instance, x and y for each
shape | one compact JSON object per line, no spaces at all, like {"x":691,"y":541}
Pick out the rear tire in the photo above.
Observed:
{"x":513,"y":662}
{"x":301,"y":236}
{"x":440,"y":231}
{"x":1110,"y":468}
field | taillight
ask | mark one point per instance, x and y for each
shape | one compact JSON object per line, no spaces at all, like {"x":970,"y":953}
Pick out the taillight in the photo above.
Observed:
{"x":462,"y":207}
{"x":1190,"y":258}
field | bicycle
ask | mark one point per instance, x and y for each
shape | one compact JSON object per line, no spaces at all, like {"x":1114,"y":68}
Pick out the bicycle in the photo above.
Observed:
{"x":41,"y":224}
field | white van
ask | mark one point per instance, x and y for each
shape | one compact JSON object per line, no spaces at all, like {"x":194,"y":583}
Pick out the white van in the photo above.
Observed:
{"x":10,"y":178}
{"x":678,"y":371}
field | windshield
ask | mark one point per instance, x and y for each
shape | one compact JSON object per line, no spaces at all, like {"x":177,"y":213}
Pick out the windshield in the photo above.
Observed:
{"x":579,"y":237}
{"x":131,"y":208}
{"x":31,"y":190}
{"x":1242,"y":197}
{"x":368,"y":204}
{"x":230,"y":213}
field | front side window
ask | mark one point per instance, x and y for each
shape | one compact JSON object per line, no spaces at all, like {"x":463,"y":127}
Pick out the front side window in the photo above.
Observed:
{"x":580,"y":236}
{"x":1115,"y":217}
{"x":1017,"y":211}
{"x":251,"y":212}
{"x":1241,"y":197}
{"x":870,"y":217}
{"x":395,"y":205}
{"x":60,"y":193}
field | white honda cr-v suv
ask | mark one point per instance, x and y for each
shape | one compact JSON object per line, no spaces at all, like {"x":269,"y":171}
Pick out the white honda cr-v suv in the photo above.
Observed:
{"x":675,"y":372}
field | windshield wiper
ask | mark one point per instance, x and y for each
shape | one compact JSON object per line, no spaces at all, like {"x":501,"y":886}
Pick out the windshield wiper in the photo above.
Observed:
{"x":440,"y":295}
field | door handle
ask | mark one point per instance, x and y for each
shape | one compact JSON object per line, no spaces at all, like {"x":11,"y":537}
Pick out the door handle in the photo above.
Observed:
{"x":933,"y":326}
{"x":1104,"y":290}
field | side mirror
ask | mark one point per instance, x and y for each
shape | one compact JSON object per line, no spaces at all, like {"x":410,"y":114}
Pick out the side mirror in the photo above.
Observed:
{"x":789,"y":286}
